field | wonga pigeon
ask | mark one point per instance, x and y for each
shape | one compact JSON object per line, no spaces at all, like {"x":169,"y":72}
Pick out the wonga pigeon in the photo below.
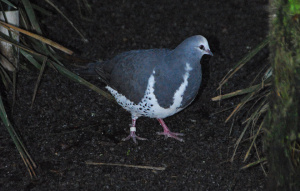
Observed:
{"x":155,"y":83}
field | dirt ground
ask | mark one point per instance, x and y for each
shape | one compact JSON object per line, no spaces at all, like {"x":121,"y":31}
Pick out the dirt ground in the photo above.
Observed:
{"x":70,"y":124}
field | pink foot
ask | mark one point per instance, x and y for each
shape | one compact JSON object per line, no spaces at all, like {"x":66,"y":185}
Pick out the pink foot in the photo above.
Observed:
{"x":132,"y":134}
{"x":167,"y":133}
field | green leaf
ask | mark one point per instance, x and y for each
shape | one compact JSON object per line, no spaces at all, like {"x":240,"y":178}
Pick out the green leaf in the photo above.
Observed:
{"x":31,"y":59}
{"x":294,"y":6}
{"x":17,"y":141}
{"x":80,"y":80}
{"x":38,"y":80}
{"x":9,"y":3}
{"x":31,"y":15}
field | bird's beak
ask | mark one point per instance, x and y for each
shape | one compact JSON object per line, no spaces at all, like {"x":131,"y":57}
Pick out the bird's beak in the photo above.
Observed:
{"x":209,"y":52}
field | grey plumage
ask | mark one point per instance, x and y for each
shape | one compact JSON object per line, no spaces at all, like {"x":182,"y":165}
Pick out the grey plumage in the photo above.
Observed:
{"x":166,"y":76}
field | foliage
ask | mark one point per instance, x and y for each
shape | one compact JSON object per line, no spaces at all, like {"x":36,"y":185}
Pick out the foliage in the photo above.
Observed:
{"x":283,"y":122}
{"x":38,"y":51}
{"x":258,"y":95}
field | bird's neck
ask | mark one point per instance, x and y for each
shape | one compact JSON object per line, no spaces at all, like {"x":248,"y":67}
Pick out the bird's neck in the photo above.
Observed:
{"x":183,"y":57}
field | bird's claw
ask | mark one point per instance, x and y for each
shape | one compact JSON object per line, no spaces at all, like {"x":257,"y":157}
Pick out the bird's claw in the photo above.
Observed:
{"x":133,"y":136}
{"x":172,"y":135}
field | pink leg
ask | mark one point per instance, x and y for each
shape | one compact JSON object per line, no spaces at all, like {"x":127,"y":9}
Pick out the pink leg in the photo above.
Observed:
{"x":132,"y":132}
{"x":167,"y":133}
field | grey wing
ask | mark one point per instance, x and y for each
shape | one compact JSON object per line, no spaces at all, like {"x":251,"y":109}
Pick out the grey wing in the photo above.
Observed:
{"x":130,"y":72}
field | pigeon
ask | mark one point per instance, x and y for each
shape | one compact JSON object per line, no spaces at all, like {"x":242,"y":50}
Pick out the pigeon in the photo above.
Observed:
{"x":154,"y":83}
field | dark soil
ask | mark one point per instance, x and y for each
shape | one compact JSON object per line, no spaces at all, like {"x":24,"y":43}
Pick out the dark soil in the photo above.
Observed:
{"x":70,"y":124}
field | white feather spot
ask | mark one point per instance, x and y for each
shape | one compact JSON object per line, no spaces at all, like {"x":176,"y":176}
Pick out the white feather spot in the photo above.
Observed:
{"x":149,"y":106}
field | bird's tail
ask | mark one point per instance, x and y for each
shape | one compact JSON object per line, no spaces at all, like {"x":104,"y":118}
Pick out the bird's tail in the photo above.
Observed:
{"x":88,"y":70}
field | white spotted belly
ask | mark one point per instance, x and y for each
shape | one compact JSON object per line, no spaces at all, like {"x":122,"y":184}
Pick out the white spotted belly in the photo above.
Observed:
{"x":149,"y":105}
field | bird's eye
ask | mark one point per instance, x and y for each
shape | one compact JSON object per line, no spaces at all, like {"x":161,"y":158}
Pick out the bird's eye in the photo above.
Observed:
{"x":201,"y":47}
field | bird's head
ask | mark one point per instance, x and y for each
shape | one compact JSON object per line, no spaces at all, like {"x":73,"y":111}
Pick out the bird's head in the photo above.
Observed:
{"x":194,"y":47}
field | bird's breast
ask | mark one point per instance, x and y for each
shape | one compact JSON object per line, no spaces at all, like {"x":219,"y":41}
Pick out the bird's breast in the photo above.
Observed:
{"x":149,"y":105}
